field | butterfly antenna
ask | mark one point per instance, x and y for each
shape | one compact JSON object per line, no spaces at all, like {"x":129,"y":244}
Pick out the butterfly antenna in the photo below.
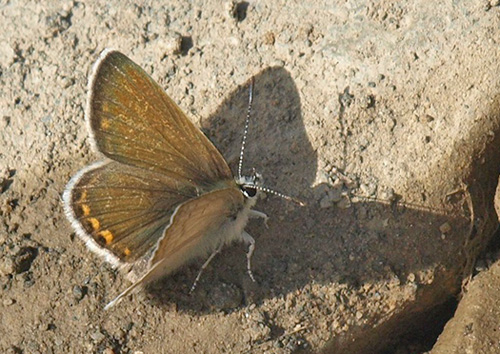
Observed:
{"x":281,"y":195}
{"x":247,"y":122}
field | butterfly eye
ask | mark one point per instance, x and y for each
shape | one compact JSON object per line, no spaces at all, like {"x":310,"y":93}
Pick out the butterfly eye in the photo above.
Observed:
{"x":248,"y":191}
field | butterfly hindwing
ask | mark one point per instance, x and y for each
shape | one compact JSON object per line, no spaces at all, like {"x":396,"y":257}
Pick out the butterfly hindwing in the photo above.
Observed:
{"x":123,"y":210}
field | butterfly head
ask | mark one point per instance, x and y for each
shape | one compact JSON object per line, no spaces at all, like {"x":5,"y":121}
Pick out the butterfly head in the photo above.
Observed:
{"x":250,"y":185}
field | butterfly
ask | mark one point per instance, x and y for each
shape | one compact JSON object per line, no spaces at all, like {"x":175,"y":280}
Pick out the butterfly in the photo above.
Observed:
{"x":164,"y":195}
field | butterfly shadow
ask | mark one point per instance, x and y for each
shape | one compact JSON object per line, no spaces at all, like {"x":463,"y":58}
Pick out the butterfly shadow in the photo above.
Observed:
{"x":304,"y":246}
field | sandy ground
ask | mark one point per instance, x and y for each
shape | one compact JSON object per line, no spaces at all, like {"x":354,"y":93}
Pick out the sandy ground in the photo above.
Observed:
{"x":358,"y":105}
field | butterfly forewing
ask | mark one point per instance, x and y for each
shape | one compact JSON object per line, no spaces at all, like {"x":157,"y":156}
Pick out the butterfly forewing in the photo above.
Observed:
{"x":133,"y":121}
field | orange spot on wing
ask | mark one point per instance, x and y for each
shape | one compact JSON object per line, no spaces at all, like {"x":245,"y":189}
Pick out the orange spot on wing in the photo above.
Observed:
{"x":85,"y":210}
{"x":107,"y":236}
{"x":104,"y":123}
{"x":105,"y":107}
{"x":83,"y":197}
{"x":94,"y":223}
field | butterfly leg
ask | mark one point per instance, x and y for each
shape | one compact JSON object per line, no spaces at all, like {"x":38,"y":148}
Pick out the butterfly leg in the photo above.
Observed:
{"x":249,"y":239}
{"x":259,"y":214}
{"x":204,"y":266}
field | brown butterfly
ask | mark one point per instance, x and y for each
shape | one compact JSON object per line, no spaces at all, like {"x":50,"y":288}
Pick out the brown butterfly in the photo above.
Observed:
{"x":164,"y":195}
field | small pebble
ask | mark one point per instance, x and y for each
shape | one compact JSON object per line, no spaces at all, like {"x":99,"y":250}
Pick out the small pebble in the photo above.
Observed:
{"x":79,"y":292}
{"x":173,"y":44}
{"x":345,"y":203}
{"x":445,"y":228}
{"x":325,"y":202}
{"x":323,"y":178}
{"x":97,"y":336}
{"x":335,"y":195}
{"x":269,"y":38}
{"x":366,"y":101}
{"x":368,"y":189}
{"x":388,"y":195}
{"x":8,"y":302}
{"x":7,"y":266}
